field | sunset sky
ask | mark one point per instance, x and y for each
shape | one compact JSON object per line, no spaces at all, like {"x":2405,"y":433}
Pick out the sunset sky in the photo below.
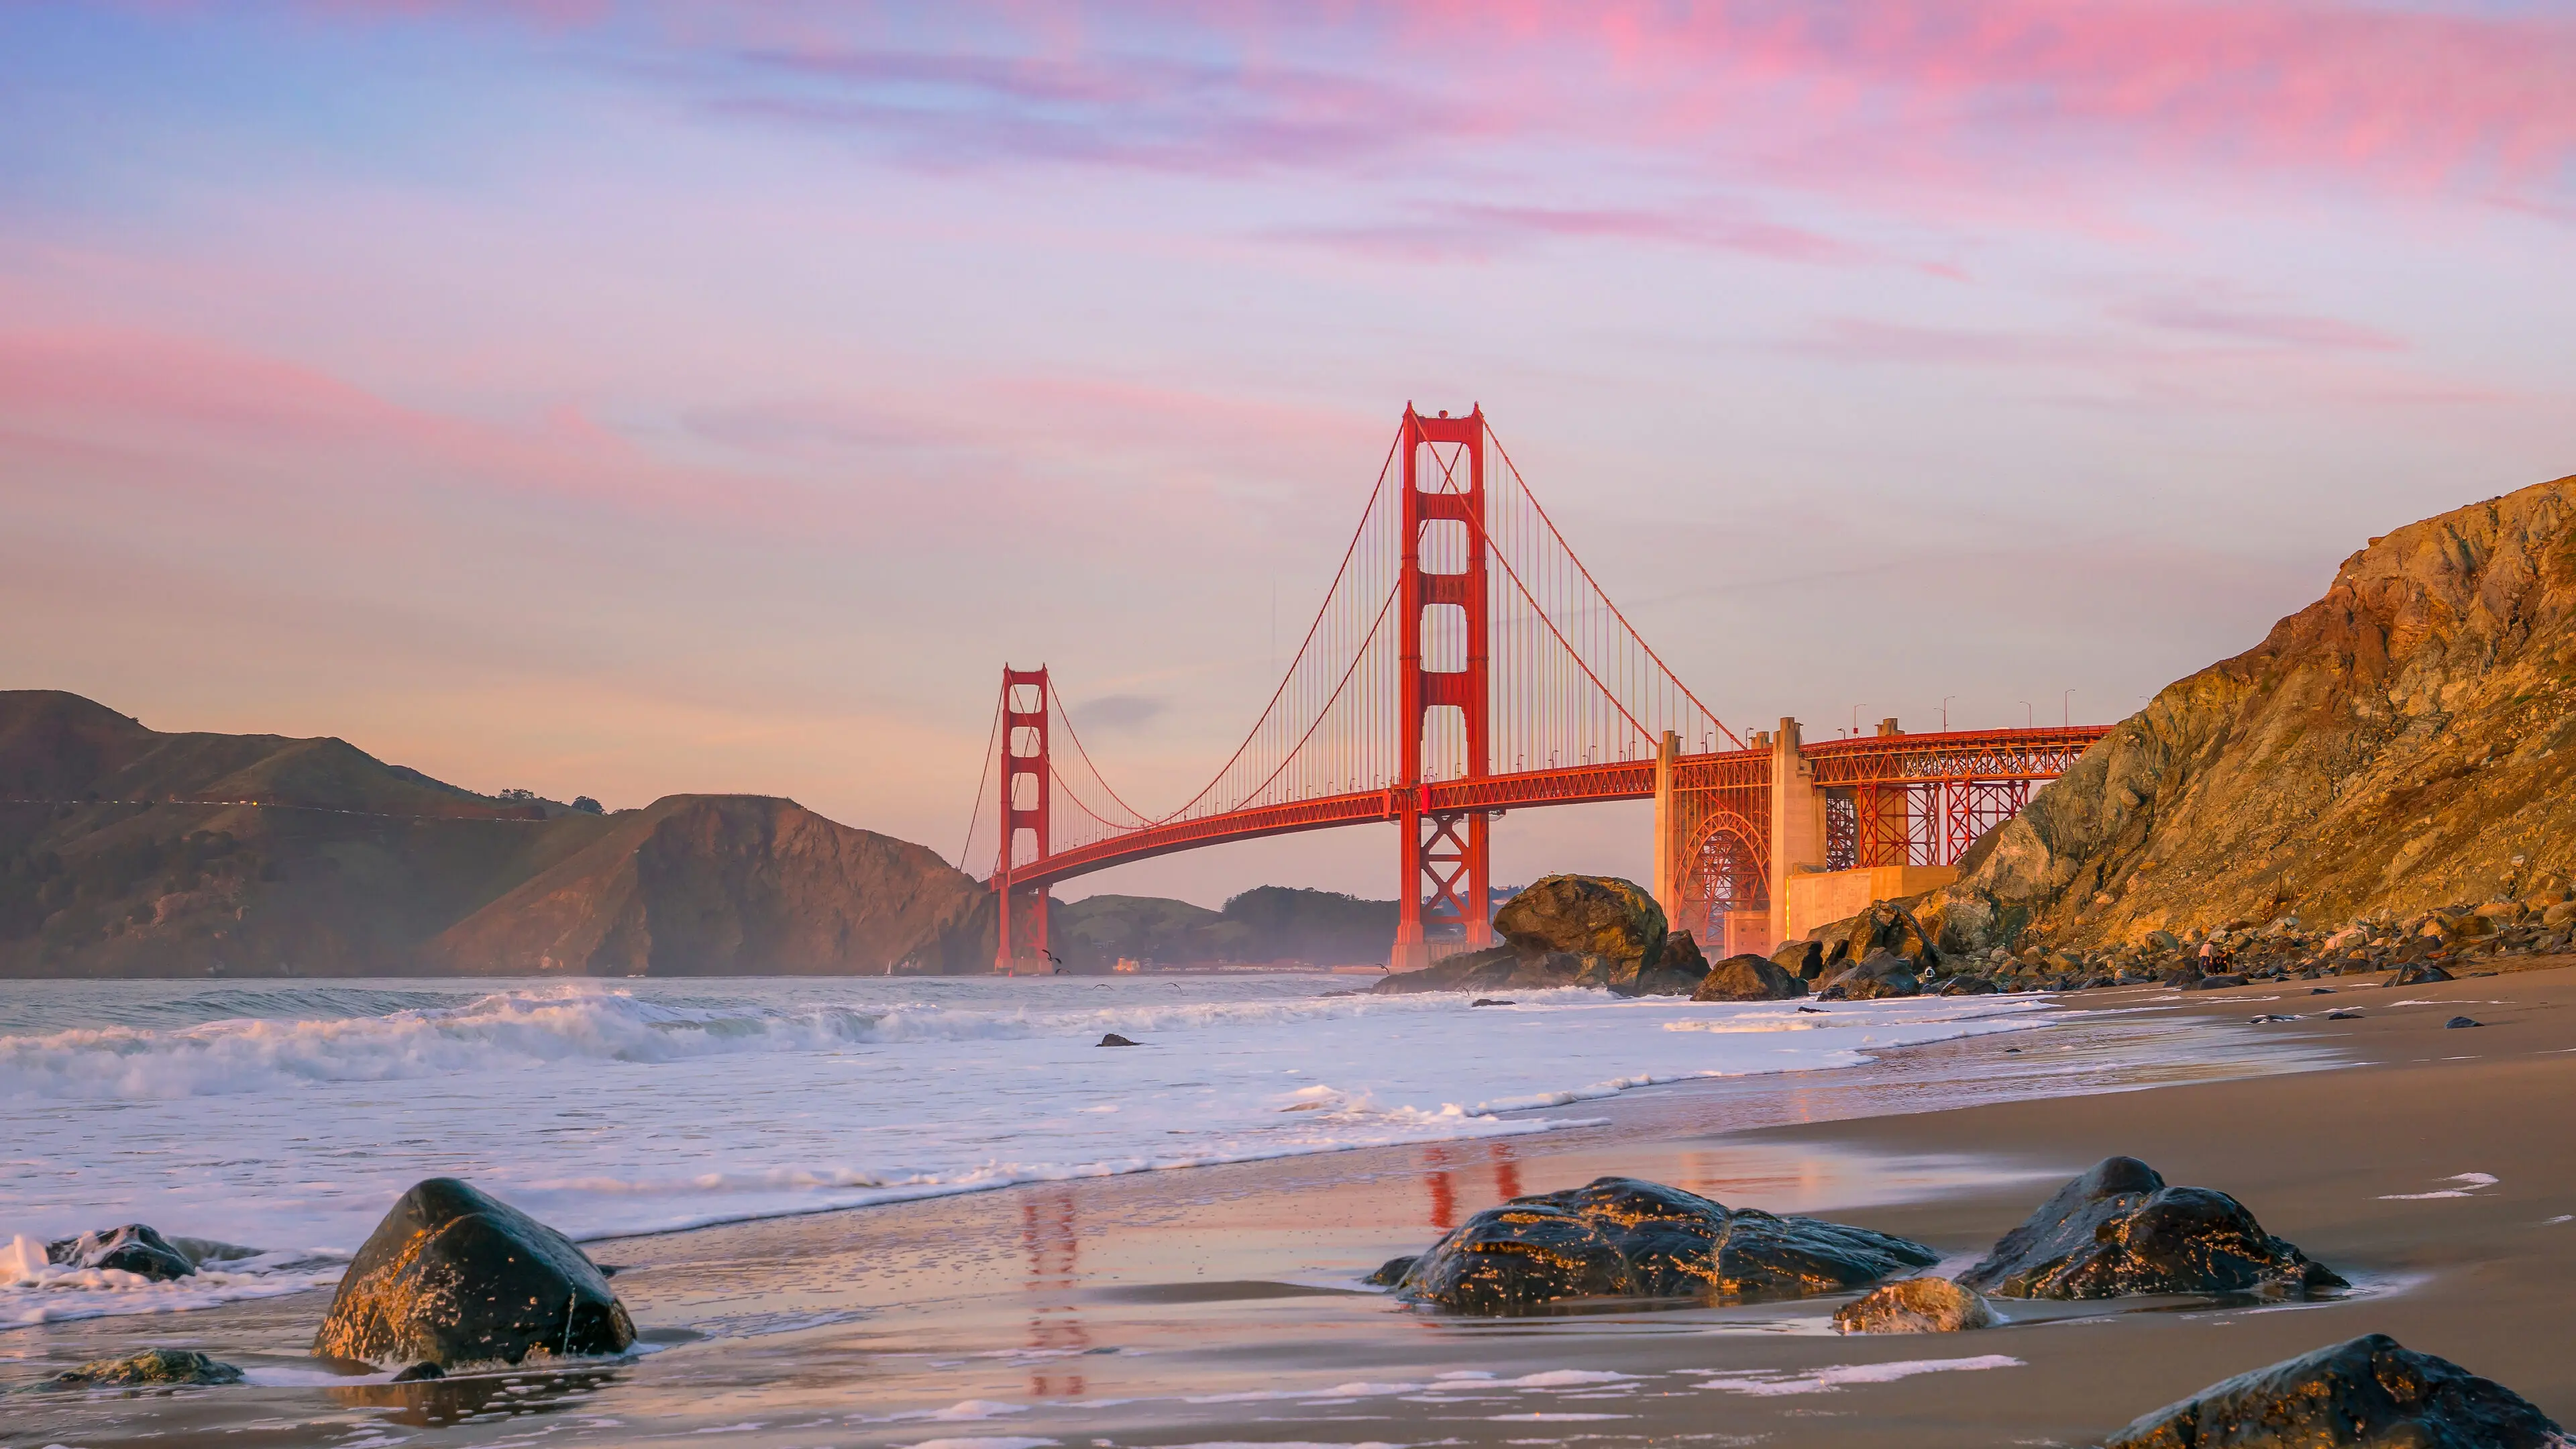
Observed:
{"x":625,"y":400}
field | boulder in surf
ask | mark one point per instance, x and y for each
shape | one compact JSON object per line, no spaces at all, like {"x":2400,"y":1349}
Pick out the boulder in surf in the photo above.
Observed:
{"x":1915,"y":1305}
{"x":153,"y":1368}
{"x":133,"y":1248}
{"x":2370,"y":1390}
{"x":1618,"y":1237}
{"x":2118,"y":1230}
{"x":453,"y":1276}
{"x":1585,"y":915}
{"x":1748,"y":978}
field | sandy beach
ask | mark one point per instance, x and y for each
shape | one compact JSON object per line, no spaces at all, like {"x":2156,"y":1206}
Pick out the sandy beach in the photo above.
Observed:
{"x":1224,"y":1303}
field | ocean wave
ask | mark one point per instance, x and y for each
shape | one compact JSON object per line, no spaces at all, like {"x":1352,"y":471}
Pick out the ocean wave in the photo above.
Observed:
{"x":532,"y":1028}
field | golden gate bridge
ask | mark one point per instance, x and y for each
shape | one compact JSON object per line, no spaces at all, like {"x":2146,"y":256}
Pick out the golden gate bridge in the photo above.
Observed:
{"x":1465,"y":663}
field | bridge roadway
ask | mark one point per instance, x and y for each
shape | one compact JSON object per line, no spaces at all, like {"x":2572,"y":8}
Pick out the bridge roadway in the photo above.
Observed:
{"x":1880,"y":762}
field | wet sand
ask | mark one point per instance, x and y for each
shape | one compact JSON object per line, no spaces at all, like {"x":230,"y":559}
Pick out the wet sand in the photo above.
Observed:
{"x":1222,"y":1304}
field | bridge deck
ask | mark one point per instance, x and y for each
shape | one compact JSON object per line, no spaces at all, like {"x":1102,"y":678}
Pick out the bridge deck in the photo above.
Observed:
{"x":1875,"y":760}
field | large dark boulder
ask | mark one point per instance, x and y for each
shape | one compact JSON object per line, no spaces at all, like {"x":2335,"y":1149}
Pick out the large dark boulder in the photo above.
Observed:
{"x":1677,"y":970}
{"x":1584,"y":915}
{"x":1617,"y":1237}
{"x":2118,"y":1230}
{"x":452,"y":1276}
{"x":133,"y":1248}
{"x":2370,"y":1392}
{"x":1748,"y":978}
{"x":1882,"y":973}
{"x":1501,"y":968}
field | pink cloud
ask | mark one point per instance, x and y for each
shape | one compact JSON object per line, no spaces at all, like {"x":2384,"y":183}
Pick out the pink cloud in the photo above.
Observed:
{"x":1797,"y":94}
{"x":1480,"y":232}
{"x":1075,"y":462}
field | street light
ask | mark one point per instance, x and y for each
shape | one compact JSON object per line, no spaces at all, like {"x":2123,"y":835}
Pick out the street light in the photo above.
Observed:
{"x":2025,"y":713}
{"x":1945,"y":712}
{"x":2068,"y":705}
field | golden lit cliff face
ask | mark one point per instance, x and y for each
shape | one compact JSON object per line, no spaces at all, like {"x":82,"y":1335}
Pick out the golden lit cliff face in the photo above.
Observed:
{"x":2407,"y":741}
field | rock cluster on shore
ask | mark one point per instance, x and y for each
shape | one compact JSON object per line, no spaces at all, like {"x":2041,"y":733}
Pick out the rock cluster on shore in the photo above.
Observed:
{"x":451,"y":1278}
{"x":2427,"y":946}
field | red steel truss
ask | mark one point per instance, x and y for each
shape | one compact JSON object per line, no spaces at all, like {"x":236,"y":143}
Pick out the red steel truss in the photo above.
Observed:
{"x":1924,"y":799}
{"x":1465,"y":663}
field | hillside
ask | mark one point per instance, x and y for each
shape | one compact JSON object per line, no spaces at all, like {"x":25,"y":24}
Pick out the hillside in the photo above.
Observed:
{"x":696,"y":885}
{"x":1261,"y":926}
{"x":125,"y":851}
{"x":2406,"y":742}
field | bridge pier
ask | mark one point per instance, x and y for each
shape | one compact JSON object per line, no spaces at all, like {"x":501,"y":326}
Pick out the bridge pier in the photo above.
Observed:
{"x":1797,"y":823}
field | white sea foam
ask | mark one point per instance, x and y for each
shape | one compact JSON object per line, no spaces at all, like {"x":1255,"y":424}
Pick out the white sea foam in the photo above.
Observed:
{"x":2469,"y":1182}
{"x":1827,"y":1380}
{"x":34,"y":1291}
{"x":289,"y":1117}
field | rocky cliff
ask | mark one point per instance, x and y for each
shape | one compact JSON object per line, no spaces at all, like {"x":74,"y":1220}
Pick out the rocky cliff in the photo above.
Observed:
{"x":125,"y":851}
{"x":2406,"y":742}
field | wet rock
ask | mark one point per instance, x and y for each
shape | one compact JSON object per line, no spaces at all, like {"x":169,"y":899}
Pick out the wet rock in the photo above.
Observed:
{"x":1500,"y":968}
{"x":133,"y":1248}
{"x":1114,"y":1039}
{"x":1392,"y":1271}
{"x":2219,"y":982}
{"x":1881,"y":973}
{"x":1915,"y":1305}
{"x":1748,"y":978}
{"x":2369,"y":1391}
{"x":2118,"y":1229}
{"x":2343,"y":1016}
{"x":420,"y":1373}
{"x":1969,"y":986}
{"x":2460,"y":1021}
{"x":152,"y":1368}
{"x":1885,"y":926}
{"x":452,"y":1276}
{"x":1618,"y":1237}
{"x":1677,"y":970}
{"x":2419,"y":973}
{"x":1492,"y":1001}
{"x":1802,"y":959}
{"x":1584,"y":915}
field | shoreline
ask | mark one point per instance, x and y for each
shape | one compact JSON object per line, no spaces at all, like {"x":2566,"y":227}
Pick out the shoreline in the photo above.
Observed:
{"x":1145,"y":1308}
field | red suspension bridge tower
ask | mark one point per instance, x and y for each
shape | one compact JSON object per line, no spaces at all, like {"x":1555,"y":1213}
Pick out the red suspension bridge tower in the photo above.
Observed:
{"x":1443,"y":609}
{"x":1027,"y":778}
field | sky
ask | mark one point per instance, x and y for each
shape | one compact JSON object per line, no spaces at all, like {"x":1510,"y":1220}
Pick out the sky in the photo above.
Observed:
{"x":628,"y":400}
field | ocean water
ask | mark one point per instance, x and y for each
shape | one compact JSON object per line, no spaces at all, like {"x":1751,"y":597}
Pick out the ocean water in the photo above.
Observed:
{"x":275,"y":1123}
